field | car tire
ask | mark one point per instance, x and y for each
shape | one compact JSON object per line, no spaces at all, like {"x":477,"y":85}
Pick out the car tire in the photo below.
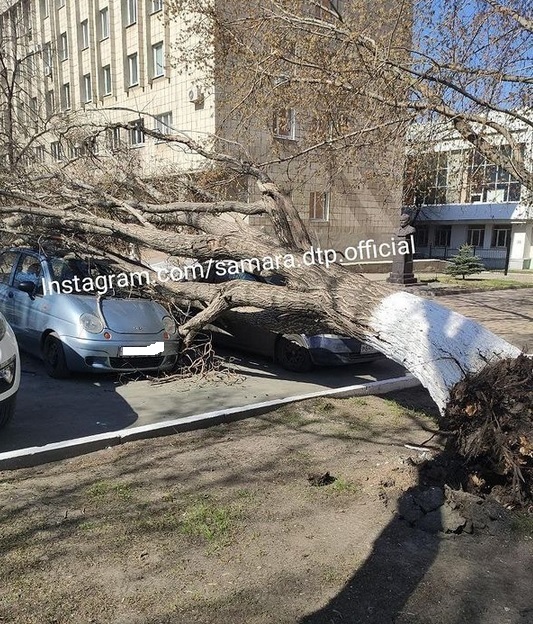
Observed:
{"x":293,"y":355}
{"x":7,"y":409}
{"x":54,"y":358}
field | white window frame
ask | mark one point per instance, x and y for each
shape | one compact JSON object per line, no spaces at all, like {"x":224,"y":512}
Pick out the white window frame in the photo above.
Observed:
{"x":137,"y":137}
{"x":84,"y":34}
{"x":104,"y":23}
{"x":45,"y":8}
{"x":158,"y":60}
{"x":107,"y":80}
{"x":133,"y":69}
{"x":66,"y":103}
{"x":56,"y":150}
{"x":497,"y":230}
{"x":325,"y":199}
{"x":63,"y":40}
{"x":284,"y":117}
{"x":157,"y":5}
{"x":60,"y":4}
{"x":163,"y":123}
{"x":87,"y":88}
{"x":475,"y":235}
{"x":131,"y":12}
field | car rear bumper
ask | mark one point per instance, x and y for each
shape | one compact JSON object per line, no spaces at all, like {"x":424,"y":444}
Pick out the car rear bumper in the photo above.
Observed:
{"x":83,"y":355}
{"x":329,"y":350}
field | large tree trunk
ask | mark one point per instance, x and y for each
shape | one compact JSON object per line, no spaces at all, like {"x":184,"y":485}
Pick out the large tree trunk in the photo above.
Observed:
{"x":440,"y":347}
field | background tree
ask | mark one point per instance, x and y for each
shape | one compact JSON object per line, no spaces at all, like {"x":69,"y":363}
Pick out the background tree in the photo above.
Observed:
{"x":465,"y":263}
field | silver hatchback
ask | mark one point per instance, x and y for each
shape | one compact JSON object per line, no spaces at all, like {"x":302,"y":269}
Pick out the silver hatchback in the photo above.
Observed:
{"x":58,"y":312}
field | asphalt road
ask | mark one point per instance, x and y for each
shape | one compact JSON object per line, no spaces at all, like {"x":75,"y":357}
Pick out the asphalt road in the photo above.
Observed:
{"x":51,"y":410}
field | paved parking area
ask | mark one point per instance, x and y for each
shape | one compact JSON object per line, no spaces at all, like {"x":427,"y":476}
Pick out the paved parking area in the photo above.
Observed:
{"x":53,"y":410}
{"x":508,"y":313}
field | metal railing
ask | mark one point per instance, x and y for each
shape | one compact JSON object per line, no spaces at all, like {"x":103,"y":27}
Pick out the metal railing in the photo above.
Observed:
{"x":493,"y":259}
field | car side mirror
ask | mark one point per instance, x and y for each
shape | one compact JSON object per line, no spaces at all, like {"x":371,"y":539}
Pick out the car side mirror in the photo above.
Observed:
{"x":27,"y":286}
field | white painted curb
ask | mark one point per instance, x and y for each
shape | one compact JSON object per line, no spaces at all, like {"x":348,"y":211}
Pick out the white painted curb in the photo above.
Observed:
{"x":32,"y":456}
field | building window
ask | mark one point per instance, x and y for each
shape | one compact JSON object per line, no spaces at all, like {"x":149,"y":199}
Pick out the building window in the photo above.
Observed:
{"x":319,"y":206}
{"x":45,"y":8}
{"x":50,"y":103}
{"x":60,"y":4}
{"x":63,"y":46}
{"x":163,"y":123}
{"x":490,"y":183}
{"x":421,"y":236}
{"x":133,"y":69}
{"x":106,"y":80}
{"x":284,"y":124}
{"x":40,"y":153}
{"x":157,"y":5}
{"x":137,"y":133}
{"x":426,"y":179}
{"x":47,"y":59}
{"x":84,"y":34}
{"x":475,"y":235}
{"x":443,"y":235}
{"x":104,"y":23}
{"x":87,"y":94}
{"x":114,"y":139}
{"x":65,"y":96}
{"x":131,"y":12}
{"x":501,"y":236}
{"x":56,"y":150}
{"x":158,"y":60}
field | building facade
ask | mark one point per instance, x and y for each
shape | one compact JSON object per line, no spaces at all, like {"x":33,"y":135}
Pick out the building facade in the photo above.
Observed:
{"x":105,"y":61}
{"x":465,"y":199}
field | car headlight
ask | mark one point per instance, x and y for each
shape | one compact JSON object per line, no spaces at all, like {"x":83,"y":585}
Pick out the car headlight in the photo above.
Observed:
{"x":3,"y":328}
{"x":7,"y":372}
{"x":91,"y":323}
{"x":169,"y":325}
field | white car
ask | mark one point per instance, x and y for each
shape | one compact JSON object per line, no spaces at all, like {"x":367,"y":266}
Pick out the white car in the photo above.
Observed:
{"x":9,"y":371}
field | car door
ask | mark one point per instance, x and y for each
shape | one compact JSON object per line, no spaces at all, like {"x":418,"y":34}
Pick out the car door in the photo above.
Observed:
{"x":8,"y":261}
{"x":27,"y":310}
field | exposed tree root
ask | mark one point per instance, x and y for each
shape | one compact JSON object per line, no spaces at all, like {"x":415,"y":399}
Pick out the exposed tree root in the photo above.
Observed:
{"x":491,"y":415}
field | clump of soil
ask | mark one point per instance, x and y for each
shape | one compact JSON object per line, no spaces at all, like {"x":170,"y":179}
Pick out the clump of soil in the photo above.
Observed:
{"x":491,"y":417}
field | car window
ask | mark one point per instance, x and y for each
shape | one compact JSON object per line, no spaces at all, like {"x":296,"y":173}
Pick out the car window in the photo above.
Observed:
{"x":66,"y":268}
{"x":28,"y":270}
{"x":7,"y":260}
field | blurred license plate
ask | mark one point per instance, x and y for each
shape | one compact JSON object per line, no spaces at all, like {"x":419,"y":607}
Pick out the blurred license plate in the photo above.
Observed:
{"x":367,"y":349}
{"x":152,"y":349}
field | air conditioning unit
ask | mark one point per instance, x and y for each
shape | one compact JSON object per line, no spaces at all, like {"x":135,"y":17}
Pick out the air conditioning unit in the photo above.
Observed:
{"x":476,"y":198}
{"x":195,"y":94}
{"x":47,"y":70}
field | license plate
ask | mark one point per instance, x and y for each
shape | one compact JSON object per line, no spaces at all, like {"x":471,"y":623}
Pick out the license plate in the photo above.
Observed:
{"x":367,"y":349}
{"x":153,"y":349}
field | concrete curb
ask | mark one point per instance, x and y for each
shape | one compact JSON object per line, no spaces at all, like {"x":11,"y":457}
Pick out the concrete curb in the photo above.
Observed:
{"x":33,"y":456}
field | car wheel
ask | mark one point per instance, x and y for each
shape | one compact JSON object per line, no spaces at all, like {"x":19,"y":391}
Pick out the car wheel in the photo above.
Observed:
{"x":7,"y":409}
{"x":54,"y":358}
{"x":292,"y":355}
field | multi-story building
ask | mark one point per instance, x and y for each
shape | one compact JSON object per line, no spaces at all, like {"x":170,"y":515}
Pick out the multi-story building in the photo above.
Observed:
{"x":467,"y":199}
{"x":113,"y":60}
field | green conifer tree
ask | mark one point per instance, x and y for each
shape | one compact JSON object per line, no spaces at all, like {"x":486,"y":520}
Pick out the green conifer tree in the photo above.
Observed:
{"x":465,"y":263}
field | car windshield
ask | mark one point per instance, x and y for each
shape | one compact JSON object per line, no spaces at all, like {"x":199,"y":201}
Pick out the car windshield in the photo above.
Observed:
{"x":67,"y":268}
{"x":77,"y":275}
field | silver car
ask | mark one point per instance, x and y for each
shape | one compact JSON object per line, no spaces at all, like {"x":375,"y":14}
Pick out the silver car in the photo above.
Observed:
{"x":9,"y":372}
{"x":87,"y":328}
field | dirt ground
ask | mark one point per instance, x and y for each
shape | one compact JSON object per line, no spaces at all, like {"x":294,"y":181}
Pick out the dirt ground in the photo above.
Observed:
{"x":223,"y":525}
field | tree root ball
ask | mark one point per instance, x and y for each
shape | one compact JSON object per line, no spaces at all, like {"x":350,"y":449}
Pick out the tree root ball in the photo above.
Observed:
{"x":490,"y":415}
